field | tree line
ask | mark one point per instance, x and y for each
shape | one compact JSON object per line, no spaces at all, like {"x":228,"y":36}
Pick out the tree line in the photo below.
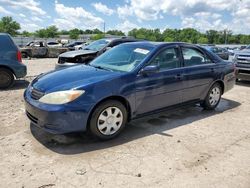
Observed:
{"x":8,"y":25}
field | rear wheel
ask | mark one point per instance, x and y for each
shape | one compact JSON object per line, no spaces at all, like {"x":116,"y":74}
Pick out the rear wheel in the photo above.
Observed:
{"x":213,"y":97}
{"x":6,"y":78}
{"x":108,"y":120}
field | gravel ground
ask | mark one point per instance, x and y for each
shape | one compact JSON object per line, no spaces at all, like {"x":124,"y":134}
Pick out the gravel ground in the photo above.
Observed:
{"x":185,"y":148}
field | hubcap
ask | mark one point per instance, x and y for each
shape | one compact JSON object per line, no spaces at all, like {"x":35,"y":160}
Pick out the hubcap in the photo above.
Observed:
{"x":214,"y":96}
{"x":110,"y":120}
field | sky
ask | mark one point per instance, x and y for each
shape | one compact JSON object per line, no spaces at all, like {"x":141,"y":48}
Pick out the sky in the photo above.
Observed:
{"x":128,"y":14}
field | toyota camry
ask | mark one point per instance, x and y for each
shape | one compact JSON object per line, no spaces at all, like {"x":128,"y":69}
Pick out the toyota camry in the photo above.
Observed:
{"x":127,"y":82}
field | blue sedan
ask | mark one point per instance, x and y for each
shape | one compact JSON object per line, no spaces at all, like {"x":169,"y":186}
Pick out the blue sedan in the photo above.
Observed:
{"x":129,"y":81}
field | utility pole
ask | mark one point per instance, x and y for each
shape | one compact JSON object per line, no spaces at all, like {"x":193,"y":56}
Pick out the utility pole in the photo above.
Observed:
{"x":104,"y":28}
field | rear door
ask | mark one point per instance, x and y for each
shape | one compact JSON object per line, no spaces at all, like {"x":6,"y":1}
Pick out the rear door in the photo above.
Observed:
{"x":198,"y":73}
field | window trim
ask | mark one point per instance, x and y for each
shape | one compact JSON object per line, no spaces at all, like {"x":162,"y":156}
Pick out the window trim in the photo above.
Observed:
{"x":197,"y":49}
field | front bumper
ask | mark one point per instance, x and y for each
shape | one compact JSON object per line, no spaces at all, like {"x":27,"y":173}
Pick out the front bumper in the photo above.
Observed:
{"x":65,"y":65}
{"x":56,"y":119}
{"x":243,"y":72}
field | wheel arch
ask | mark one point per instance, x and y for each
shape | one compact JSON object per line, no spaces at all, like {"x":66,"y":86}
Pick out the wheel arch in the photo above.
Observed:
{"x":221,"y":84}
{"x":121,"y":99}
{"x":8,"y":68}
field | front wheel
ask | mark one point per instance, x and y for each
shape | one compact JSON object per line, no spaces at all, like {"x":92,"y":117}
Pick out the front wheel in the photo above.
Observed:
{"x":213,"y":97}
{"x":108,"y":120}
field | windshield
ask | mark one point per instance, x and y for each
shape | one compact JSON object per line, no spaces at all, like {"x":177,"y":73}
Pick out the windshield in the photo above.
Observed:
{"x":97,"y":45}
{"x":122,"y":58}
{"x":248,"y":47}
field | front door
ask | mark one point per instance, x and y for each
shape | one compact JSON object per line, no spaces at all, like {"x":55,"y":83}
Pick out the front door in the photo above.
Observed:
{"x":163,"y":88}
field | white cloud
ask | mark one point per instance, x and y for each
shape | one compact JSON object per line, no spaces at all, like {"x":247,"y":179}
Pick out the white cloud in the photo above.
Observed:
{"x":201,"y":14}
{"x":103,"y":9}
{"x":36,"y":19}
{"x":30,"y":5}
{"x":70,"y":17}
{"x":22,"y":15}
{"x":31,"y":27}
{"x":4,"y":11}
{"x":126,"y":26}
{"x":124,"y":11}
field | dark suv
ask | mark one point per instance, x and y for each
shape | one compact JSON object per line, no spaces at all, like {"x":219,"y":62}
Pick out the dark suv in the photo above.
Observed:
{"x":11,"y":66}
{"x":90,"y":52}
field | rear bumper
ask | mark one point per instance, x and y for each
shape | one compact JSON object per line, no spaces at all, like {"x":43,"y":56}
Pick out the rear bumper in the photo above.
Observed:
{"x":20,"y":71}
{"x":56,"y":119}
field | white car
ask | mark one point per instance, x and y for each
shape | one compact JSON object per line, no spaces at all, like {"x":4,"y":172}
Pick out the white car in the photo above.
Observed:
{"x":81,"y":46}
{"x":54,"y":44}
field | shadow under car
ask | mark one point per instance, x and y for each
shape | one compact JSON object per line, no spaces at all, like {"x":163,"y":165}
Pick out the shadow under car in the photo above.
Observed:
{"x":75,"y":143}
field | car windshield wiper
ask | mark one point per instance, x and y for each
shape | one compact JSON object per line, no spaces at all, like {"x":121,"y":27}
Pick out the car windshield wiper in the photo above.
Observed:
{"x":99,"y":67}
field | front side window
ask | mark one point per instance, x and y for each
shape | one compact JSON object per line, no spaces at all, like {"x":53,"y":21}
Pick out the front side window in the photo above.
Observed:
{"x":193,"y":57}
{"x":167,"y":59}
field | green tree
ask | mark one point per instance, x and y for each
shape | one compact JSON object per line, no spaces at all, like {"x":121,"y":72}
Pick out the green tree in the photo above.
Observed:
{"x":63,"y":32}
{"x":74,"y":33}
{"x":115,"y":32}
{"x":97,"y":31}
{"x":8,"y":25}
{"x":26,"y":34}
{"x":213,"y":36}
{"x":171,"y":35}
{"x":52,"y":31}
{"x":41,"y":33}
{"x":202,"y":40}
{"x":97,"y":36}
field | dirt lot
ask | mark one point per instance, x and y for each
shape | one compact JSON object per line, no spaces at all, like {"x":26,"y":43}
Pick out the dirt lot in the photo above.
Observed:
{"x":185,"y":148}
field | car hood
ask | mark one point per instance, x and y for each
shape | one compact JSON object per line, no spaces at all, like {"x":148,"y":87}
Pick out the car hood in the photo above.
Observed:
{"x":243,"y":52}
{"x":72,"y":54}
{"x":72,"y":78}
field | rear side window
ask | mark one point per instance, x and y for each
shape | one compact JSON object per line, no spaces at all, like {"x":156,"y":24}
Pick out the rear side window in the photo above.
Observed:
{"x":194,"y":57}
{"x":6,"y":44}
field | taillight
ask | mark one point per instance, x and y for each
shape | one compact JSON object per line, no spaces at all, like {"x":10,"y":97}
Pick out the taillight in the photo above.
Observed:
{"x":19,"y":56}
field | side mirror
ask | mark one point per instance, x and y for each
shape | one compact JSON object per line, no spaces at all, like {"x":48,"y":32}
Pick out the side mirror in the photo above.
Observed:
{"x":151,"y":69}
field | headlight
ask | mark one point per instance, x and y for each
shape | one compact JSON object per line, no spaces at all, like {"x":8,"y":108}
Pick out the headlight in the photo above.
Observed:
{"x":61,"y":97}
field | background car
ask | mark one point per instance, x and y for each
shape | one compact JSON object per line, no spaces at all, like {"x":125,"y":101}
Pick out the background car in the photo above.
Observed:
{"x":129,"y":81}
{"x":221,"y":52}
{"x":71,"y":46}
{"x":54,"y":44}
{"x":242,"y":62}
{"x":81,"y":46}
{"x":40,"y":49}
{"x":90,"y":52}
{"x":11,"y":66}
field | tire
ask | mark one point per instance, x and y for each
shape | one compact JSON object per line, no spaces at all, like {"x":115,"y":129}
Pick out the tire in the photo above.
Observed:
{"x":108,"y":120}
{"x":213,"y":97}
{"x":6,"y":78}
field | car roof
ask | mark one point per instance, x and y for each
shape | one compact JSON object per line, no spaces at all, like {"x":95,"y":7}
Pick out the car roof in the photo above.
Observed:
{"x":156,"y":44}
